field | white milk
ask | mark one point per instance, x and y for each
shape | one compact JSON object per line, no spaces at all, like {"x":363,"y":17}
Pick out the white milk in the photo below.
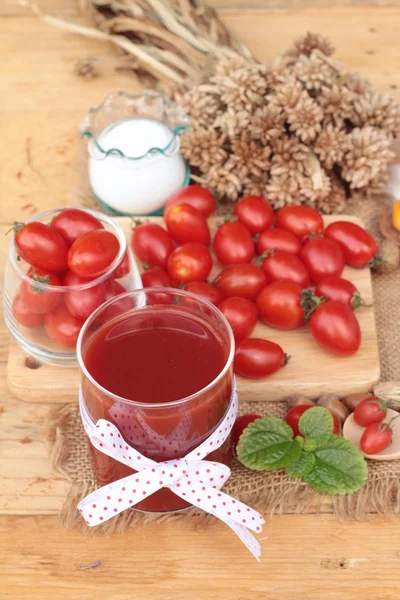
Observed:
{"x":139,"y":186}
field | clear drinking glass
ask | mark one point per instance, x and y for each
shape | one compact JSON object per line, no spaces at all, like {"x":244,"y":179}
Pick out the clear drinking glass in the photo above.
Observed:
{"x":161,"y":431}
{"x":34,"y":340}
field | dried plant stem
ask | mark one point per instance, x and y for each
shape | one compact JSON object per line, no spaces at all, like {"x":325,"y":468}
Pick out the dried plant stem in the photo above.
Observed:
{"x":153,"y":66}
{"x":124,"y":24}
{"x":198,"y":179}
{"x":316,"y":170}
{"x":389,"y":391}
{"x":203,"y":44}
{"x":172,"y":40}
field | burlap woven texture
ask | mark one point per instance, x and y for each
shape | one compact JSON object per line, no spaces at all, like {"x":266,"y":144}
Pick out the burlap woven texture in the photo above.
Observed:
{"x":267,"y":491}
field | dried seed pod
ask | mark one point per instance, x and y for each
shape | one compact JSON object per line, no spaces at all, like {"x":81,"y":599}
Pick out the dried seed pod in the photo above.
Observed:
{"x":386,"y":225}
{"x":390,"y":257}
{"x":299,"y":400}
{"x":353,"y":400}
{"x":390,"y":392}
{"x":335,"y":407}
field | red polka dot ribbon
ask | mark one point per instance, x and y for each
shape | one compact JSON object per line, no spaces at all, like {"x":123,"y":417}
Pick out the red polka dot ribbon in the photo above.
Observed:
{"x":197,"y":481}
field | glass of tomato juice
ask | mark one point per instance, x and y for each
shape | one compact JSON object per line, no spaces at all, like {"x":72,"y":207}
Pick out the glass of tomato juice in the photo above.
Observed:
{"x":159,"y":365}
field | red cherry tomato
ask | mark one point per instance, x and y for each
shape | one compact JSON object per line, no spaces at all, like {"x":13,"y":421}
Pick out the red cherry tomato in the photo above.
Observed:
{"x":196,"y":196}
{"x":279,"y":305}
{"x":62,"y":327}
{"x":81,"y":303}
{"x":239,"y":426}
{"x":337,"y":288}
{"x":24,"y":316}
{"x":284,"y":266}
{"x":205,"y":290}
{"x":322,"y":258}
{"x":335,"y":328}
{"x":359,"y":247}
{"x":151,"y":244}
{"x":42,"y":247}
{"x":124,"y":266}
{"x":113,"y":288}
{"x":71,"y":223}
{"x":370,"y":410}
{"x":156,"y":277}
{"x":190,"y":262}
{"x":299,"y":220}
{"x":36,"y":298}
{"x":185,"y":224}
{"x":92,"y":254}
{"x":233,"y":244}
{"x":258,"y":358}
{"x":254,"y":213}
{"x":278,"y":239}
{"x":376,"y":438}
{"x":245,"y":281}
{"x":336,"y":425}
{"x":241,"y":315}
{"x":120,"y":307}
{"x":293,"y":417}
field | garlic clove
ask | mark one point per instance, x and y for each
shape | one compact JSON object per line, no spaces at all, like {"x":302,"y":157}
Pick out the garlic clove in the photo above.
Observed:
{"x":335,"y":407}
{"x":299,"y":400}
{"x":353,"y":400}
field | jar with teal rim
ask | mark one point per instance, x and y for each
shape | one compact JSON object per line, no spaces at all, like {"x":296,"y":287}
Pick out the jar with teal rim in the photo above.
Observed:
{"x":134,"y":162}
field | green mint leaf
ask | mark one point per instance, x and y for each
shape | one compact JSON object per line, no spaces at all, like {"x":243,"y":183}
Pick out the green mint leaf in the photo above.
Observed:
{"x":340,"y":468}
{"x":316,"y":424}
{"x":300,"y":439}
{"x":303,"y":465}
{"x":310,"y":445}
{"x":268,"y":444}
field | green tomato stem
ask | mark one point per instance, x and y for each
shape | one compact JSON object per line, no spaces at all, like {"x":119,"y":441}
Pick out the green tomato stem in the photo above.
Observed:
{"x":358,"y":302}
{"x":388,"y":425}
{"x":310,"y":302}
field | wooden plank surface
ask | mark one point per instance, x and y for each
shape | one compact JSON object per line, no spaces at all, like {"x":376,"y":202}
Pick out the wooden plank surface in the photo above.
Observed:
{"x":358,"y":373}
{"x":74,"y":7}
{"x":305,"y":557}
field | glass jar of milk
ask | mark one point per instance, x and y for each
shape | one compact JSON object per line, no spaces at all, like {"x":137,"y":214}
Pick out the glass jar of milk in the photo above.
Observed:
{"x":134,"y":161}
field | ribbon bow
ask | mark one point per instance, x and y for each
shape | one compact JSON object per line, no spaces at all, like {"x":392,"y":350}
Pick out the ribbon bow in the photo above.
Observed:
{"x":195,"y":480}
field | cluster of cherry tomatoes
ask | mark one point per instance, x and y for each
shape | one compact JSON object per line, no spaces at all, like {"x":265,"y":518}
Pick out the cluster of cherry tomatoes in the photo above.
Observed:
{"x":295,"y":278}
{"x":282,"y":267}
{"x":377,"y":435}
{"x":73,"y":250}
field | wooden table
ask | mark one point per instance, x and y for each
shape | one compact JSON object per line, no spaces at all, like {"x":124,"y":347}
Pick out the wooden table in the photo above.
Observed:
{"x":307,"y":557}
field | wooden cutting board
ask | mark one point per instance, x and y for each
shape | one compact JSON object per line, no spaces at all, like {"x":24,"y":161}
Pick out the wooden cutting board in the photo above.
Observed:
{"x":310,"y":371}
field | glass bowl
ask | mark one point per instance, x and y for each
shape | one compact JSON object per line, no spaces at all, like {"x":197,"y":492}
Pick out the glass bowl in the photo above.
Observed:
{"x":32,"y":335}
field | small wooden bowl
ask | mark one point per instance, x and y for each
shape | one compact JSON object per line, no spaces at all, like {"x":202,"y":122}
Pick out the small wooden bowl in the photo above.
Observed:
{"x":353,"y":433}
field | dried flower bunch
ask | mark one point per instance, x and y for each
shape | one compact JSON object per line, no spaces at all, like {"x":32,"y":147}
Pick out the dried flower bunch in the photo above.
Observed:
{"x":160,"y":40}
{"x":302,"y":130}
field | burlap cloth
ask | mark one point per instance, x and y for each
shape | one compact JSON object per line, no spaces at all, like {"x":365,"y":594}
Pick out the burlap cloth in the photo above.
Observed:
{"x":267,"y":491}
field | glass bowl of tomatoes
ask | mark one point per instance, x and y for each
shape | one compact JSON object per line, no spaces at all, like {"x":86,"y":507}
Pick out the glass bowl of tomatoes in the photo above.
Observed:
{"x":62,"y":265}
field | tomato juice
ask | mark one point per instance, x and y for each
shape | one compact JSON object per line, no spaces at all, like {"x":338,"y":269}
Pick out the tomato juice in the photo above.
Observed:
{"x":163,"y":375}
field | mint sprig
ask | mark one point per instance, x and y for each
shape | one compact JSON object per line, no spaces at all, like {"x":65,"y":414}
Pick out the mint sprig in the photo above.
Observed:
{"x":268,"y":444}
{"x":303,"y":465}
{"x":316,"y":424}
{"x":339,"y":468}
{"x":328,"y":463}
